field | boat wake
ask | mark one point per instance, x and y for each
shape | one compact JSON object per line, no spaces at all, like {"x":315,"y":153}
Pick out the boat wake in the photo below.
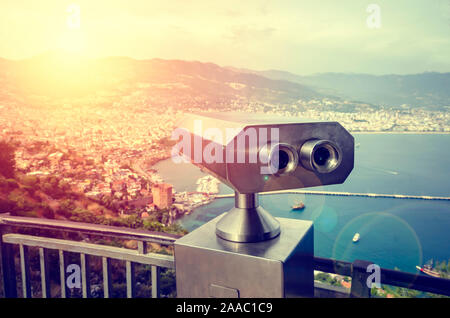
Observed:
{"x":382,"y":170}
{"x":392,"y":172}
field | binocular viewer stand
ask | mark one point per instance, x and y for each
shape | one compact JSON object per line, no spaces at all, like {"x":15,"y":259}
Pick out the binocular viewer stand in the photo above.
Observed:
{"x":246,"y":252}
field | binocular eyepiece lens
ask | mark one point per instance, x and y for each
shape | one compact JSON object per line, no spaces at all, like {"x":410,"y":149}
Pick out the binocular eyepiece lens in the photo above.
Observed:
{"x":283,"y":159}
{"x":321,"y":156}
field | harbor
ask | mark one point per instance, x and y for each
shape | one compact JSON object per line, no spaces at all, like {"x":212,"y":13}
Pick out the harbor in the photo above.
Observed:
{"x":404,"y":209}
{"x":206,"y":190}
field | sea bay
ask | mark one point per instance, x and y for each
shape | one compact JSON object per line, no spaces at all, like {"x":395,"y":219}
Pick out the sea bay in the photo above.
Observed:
{"x":395,"y":233}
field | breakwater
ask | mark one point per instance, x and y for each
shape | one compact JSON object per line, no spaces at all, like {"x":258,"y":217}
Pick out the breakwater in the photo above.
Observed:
{"x":347,"y":194}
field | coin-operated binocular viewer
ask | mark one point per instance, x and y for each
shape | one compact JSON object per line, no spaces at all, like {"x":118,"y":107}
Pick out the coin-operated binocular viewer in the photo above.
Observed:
{"x":246,"y":252}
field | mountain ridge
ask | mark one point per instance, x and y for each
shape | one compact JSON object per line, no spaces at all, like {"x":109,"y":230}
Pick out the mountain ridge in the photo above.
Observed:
{"x":58,"y":74}
{"x":427,"y":89}
{"x":52,"y":74}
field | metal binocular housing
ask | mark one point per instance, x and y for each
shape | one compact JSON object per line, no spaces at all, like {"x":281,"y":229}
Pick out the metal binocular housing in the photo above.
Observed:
{"x":254,"y":153}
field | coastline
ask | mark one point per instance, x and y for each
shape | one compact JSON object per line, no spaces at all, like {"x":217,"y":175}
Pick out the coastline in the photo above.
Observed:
{"x":345,"y":194}
{"x":211,"y":196}
{"x":186,"y":201}
{"x":401,"y":132}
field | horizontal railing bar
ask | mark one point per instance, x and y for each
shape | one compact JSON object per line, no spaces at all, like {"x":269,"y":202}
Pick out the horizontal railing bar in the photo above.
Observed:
{"x":119,"y":253}
{"x":329,"y":265}
{"x":388,"y":277}
{"x":89,"y":228}
{"x":415,"y":281}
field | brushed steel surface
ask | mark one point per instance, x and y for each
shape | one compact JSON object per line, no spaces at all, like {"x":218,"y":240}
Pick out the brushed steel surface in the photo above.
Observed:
{"x":280,"y":267}
{"x":217,"y":291}
{"x":246,"y":177}
{"x":249,"y":148}
{"x":243,"y":201}
{"x":248,"y":225}
{"x":247,"y":221}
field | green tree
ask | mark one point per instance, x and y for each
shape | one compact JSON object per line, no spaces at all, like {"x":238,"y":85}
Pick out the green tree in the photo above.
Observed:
{"x":20,"y":201}
{"x":47,"y":212}
{"x":7,"y":159}
{"x":168,"y":283}
{"x":47,"y":188}
{"x":175,"y":229}
{"x":81,"y":215}
{"x":30,"y":180}
{"x":133,"y":221}
{"x":6,"y":206}
{"x":443,"y":266}
{"x":154,"y":226}
{"x":63,"y":185}
{"x":66,"y":207}
{"x":12,"y":184}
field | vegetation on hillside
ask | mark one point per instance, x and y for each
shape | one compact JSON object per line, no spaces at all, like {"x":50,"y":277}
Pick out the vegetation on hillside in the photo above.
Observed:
{"x":7,"y":162}
{"x":51,"y":197}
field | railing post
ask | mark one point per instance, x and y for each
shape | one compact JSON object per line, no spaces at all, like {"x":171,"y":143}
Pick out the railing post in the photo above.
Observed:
{"x":45,"y":272}
{"x":155,"y":281}
{"x":8,"y":267}
{"x":62,"y":273}
{"x":131,"y":291}
{"x":25,"y":271}
{"x":85,"y":275}
{"x":360,"y":288}
{"x":142,"y":247}
{"x":107,"y":284}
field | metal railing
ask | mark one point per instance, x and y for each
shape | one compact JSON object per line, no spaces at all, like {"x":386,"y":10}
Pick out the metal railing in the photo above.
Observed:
{"x":107,"y":253}
{"x":9,"y":224}
{"x":359,"y":275}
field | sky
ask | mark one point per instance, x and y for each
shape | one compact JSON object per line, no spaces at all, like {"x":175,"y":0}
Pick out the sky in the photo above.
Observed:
{"x":303,"y":37}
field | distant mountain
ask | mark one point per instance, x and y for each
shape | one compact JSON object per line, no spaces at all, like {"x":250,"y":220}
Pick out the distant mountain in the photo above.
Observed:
{"x":431,"y":90}
{"x":57,"y":74}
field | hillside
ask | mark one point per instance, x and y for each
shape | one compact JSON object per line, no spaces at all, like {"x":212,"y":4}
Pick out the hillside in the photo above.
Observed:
{"x":47,"y":197}
{"x":56,"y":74}
{"x":60,"y":75}
{"x":429,"y":90}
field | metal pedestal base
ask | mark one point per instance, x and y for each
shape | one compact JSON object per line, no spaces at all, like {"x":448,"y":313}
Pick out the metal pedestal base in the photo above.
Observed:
{"x":247,"y":221}
{"x":208,"y":266}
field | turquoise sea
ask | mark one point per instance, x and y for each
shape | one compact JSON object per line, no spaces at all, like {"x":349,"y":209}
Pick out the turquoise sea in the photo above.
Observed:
{"x":395,"y":233}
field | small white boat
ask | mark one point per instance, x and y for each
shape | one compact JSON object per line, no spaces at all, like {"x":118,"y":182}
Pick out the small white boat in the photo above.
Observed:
{"x":356,"y":237}
{"x":299,"y":206}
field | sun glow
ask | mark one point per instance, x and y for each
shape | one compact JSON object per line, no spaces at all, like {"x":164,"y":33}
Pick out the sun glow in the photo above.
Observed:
{"x":73,"y":41}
